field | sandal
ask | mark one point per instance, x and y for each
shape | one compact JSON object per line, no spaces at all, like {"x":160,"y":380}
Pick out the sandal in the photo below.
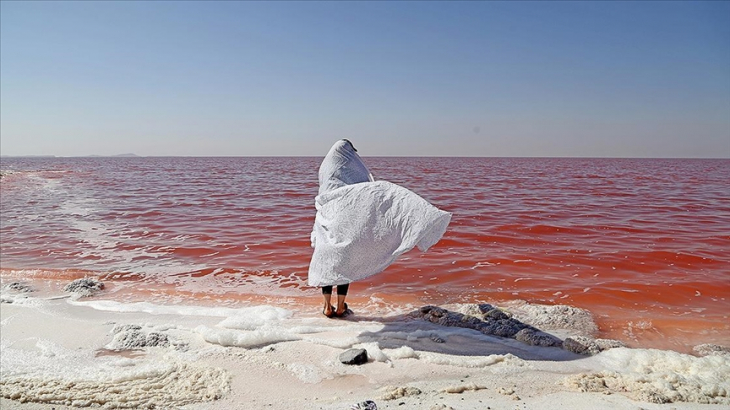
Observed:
{"x":333,"y":312}
{"x":344,"y":313}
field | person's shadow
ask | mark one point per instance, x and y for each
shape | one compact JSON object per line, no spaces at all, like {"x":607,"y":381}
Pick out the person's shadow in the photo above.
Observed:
{"x":486,"y":331}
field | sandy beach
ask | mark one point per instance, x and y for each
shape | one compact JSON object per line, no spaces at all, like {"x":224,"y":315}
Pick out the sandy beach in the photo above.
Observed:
{"x":62,"y":351}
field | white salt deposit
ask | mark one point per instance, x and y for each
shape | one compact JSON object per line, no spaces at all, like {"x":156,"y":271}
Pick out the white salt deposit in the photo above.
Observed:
{"x":305,"y":372}
{"x":468,"y":361}
{"x":403,"y":352}
{"x":54,"y":375}
{"x":246,"y":338}
{"x":252,"y":315}
{"x":659,"y":376}
{"x":375,"y":353}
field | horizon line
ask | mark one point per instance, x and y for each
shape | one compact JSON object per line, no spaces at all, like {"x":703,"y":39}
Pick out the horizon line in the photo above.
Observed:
{"x":131,"y":156}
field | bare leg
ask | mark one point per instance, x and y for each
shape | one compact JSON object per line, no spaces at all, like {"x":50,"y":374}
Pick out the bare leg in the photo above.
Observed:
{"x":328,"y":304}
{"x":341,"y":295}
{"x":327,"y":310}
{"x":341,"y":304}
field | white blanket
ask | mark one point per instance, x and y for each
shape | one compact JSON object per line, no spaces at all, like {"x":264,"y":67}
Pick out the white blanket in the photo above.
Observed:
{"x":362,"y":225}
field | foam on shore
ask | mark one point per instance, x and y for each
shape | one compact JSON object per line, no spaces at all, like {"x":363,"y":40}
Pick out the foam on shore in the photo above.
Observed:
{"x":77,"y":378}
{"x":659,"y":376}
{"x":205,"y":346}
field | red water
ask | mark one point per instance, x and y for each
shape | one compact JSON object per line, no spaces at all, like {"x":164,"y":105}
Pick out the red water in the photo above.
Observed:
{"x":642,"y":243}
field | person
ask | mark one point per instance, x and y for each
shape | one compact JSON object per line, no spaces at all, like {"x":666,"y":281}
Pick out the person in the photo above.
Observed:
{"x":362,"y":225}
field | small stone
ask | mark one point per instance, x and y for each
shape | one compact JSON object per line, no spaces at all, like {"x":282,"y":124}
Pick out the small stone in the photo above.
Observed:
{"x":354,"y":356}
{"x":365,"y":405}
{"x":437,"y":339}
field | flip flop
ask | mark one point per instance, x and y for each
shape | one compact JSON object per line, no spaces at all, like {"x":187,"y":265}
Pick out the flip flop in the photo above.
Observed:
{"x":333,"y":312}
{"x":345,"y":313}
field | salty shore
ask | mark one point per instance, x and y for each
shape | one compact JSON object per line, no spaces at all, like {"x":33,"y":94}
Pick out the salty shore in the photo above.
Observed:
{"x":61,"y":351}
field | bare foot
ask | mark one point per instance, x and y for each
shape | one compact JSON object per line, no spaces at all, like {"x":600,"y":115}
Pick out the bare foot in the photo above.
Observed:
{"x":329,"y":311}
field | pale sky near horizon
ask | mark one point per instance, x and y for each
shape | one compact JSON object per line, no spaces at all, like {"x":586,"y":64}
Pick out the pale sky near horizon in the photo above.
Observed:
{"x":596,"y":79}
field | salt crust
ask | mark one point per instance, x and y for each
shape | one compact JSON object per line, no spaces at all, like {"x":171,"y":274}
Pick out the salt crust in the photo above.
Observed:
{"x":648,"y":375}
{"x":84,"y":287}
{"x":52,"y":374}
{"x":175,"y":384}
{"x":393,"y":393}
{"x":463,"y":388}
{"x":659,"y":376}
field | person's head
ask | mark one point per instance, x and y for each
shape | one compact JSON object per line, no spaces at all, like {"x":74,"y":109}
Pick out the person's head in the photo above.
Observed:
{"x":349,"y":142}
{"x":342,"y":166}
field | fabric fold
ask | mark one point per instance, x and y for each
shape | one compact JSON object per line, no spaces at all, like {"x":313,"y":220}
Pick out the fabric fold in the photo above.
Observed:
{"x":362,"y":226}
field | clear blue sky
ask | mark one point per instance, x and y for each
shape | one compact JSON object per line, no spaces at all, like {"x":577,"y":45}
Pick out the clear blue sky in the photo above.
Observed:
{"x":626,"y":79}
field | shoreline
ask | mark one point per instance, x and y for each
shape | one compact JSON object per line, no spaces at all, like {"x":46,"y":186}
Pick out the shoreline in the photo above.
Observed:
{"x":636,"y":328}
{"x":209,"y":358}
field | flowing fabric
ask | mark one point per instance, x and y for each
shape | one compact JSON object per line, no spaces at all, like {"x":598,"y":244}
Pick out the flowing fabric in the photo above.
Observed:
{"x":362,"y":225}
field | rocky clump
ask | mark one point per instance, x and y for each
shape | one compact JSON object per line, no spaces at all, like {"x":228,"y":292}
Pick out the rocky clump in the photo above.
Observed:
{"x":588,"y":346}
{"x":708,"y":349}
{"x":84,"y":287}
{"x":354,"y":356}
{"x":535,"y":337}
{"x":519,"y":323}
{"x":493,"y":322}
{"x":19,"y":287}
{"x":128,"y":337}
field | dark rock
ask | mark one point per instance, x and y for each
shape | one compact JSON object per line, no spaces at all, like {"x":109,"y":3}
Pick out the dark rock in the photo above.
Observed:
{"x":84,"y":287}
{"x":437,"y":339}
{"x":495,"y":322}
{"x":365,"y":405}
{"x":538,"y":338}
{"x":587,"y":346}
{"x":496,"y":314}
{"x":354,"y":356}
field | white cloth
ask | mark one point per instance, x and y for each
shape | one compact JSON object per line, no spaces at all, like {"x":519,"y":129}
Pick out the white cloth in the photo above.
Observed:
{"x":362,"y":226}
{"x":342,"y":166}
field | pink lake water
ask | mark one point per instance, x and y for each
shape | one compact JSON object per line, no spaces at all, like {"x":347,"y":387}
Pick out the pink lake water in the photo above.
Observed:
{"x":644,"y":244}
